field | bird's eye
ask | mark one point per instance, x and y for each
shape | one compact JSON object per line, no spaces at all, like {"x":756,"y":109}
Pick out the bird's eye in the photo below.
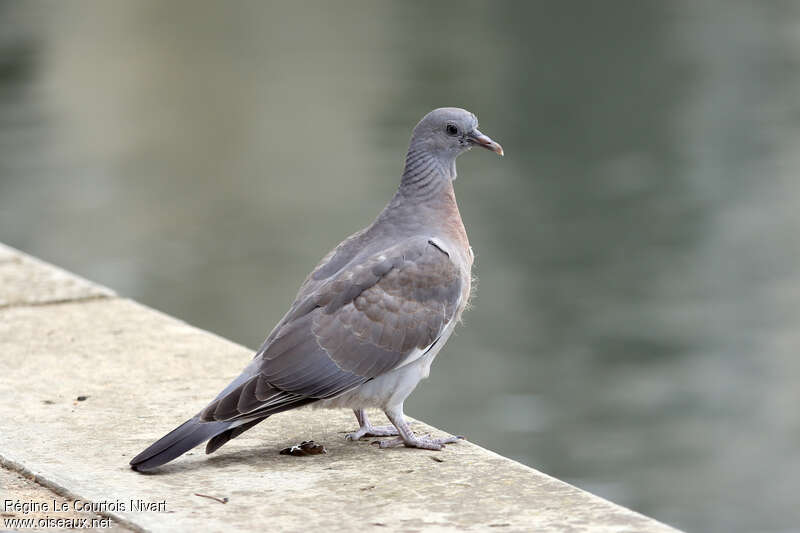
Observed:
{"x":451,"y":129}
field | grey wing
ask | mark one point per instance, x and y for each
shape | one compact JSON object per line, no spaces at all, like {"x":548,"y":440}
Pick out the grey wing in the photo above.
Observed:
{"x":366,"y":319}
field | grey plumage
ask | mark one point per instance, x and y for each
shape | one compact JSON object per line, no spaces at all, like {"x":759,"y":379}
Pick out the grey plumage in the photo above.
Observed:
{"x":370,"y":318}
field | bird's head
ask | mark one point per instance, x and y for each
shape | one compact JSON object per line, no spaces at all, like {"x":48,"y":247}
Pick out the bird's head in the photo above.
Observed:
{"x":449,"y":131}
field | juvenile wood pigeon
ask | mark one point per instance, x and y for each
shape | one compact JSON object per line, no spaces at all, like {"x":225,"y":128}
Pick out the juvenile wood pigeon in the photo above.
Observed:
{"x":368,"y":321}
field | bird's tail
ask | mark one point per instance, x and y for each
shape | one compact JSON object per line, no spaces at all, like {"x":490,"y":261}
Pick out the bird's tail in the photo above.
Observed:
{"x":178,"y":441}
{"x":220,"y":439}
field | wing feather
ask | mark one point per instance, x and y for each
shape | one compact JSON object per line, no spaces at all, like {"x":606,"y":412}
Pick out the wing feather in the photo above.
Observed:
{"x":368,"y":317}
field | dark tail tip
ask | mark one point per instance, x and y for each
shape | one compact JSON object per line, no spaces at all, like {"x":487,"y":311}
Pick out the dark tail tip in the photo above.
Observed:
{"x":175,"y":443}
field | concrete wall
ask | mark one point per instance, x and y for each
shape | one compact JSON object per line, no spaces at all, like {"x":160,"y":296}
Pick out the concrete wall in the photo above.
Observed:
{"x":142,"y":373}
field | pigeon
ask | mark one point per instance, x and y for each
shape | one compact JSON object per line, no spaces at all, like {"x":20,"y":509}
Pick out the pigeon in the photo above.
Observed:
{"x":370,"y":318}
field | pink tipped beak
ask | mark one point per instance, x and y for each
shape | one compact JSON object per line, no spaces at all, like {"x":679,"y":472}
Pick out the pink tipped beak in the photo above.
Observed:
{"x":480,"y":139}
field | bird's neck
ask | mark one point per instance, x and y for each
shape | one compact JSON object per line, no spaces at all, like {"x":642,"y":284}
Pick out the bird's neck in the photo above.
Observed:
{"x":426,"y":197}
{"x":426,"y":176}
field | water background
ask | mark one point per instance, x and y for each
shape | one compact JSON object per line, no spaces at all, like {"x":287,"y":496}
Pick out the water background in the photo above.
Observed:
{"x":635,"y":328}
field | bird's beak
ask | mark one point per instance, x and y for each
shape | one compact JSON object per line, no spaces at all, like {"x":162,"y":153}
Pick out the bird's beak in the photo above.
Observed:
{"x":480,"y":139}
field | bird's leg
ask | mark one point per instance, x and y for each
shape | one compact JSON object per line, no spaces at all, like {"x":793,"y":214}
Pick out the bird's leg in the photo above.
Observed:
{"x":408,"y":438}
{"x":368,"y":430}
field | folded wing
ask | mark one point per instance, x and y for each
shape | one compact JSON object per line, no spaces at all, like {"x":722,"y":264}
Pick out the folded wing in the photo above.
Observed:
{"x":360,"y":321}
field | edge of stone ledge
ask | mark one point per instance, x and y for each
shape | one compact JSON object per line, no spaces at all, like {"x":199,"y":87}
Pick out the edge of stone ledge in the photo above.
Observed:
{"x":11,"y":253}
{"x":95,"y":291}
{"x":48,"y":482}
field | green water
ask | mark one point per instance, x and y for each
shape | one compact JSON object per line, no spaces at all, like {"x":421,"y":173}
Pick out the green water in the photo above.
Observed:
{"x":635,"y":328}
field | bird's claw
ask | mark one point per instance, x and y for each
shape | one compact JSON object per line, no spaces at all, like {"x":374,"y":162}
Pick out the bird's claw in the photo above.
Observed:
{"x":372,"y":431}
{"x":424,"y":442}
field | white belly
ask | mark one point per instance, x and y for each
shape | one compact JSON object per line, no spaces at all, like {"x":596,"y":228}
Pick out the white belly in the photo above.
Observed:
{"x":391,"y":388}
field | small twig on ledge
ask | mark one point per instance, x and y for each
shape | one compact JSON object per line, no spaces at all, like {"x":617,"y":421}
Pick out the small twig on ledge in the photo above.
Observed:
{"x":220,"y":500}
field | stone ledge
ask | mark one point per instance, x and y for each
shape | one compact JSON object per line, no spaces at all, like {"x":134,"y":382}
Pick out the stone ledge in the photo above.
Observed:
{"x":25,"y":280}
{"x":21,"y":485}
{"x":144,"y":372}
